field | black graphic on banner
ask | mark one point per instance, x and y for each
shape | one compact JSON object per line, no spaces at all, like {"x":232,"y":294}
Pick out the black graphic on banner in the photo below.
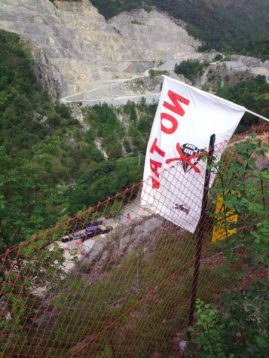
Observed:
{"x":189,"y":156}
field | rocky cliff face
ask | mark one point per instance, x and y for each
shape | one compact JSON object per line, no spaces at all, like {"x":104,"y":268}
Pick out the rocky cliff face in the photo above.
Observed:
{"x":72,"y":44}
{"x":154,"y":35}
{"x":76,"y":50}
{"x":80,"y":57}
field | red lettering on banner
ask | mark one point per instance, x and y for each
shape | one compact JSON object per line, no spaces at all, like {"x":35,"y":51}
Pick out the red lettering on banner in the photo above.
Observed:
{"x":155,"y":148}
{"x":172,"y":120}
{"x":155,"y":166}
{"x":155,"y":183}
{"x":176,"y":99}
{"x":169,"y":125}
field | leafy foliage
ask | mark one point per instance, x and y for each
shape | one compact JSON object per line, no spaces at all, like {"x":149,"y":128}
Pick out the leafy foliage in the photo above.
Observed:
{"x":208,"y":338}
{"x":106,"y":126}
{"x":253,"y":94}
{"x":147,"y":290}
{"x":31,"y":145}
{"x":104,"y":180}
{"x":190,"y":69}
{"x":249,"y":202}
{"x":239,"y":327}
{"x":43,"y":150}
{"x":114,"y":134}
{"x":49,"y":162}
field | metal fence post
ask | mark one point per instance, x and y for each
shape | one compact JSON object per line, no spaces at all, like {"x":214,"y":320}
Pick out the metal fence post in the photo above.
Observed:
{"x":200,"y":232}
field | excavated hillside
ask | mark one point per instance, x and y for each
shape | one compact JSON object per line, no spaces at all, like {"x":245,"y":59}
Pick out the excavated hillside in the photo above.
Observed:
{"x":81,"y":57}
{"x":77,"y":51}
{"x":72,"y":44}
{"x":239,"y":26}
{"x":155,"y":35}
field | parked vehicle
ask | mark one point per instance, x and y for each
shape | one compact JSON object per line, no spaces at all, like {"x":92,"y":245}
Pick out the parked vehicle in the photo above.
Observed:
{"x":94,"y":229}
{"x":82,"y":225}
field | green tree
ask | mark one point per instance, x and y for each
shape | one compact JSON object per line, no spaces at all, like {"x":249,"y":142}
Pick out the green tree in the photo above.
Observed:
{"x":252,"y":94}
{"x":190,"y":69}
{"x":237,"y":327}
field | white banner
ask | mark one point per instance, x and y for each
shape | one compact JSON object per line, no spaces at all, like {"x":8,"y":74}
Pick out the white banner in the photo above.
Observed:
{"x":174,"y":171}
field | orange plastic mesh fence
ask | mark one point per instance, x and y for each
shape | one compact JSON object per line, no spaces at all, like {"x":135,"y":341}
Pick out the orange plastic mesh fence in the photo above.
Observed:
{"x":116,"y":280}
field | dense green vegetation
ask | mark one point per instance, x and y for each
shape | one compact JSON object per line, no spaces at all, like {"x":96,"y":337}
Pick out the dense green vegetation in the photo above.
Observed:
{"x":34,"y":153}
{"x":190,"y":69}
{"x":108,"y":177}
{"x":146,"y":292}
{"x":253,"y":94}
{"x":237,"y":329}
{"x":44,"y":152}
{"x":237,"y":326}
{"x":237,"y":27}
{"x":103,"y":181}
{"x":117,"y":136}
{"x":52,"y":168}
{"x":50,"y":164}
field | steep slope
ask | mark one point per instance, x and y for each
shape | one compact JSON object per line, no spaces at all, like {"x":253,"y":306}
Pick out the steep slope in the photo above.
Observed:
{"x":50,"y":164}
{"x":154,"y":35}
{"x":34,"y":154}
{"x":77,"y":51}
{"x":240,"y":26}
{"x":71,"y":42}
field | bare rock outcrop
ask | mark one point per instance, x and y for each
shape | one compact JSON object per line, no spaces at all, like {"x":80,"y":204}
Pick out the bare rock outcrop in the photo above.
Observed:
{"x":79,"y":57}
{"x":72,"y":44}
{"x":155,"y":35}
{"x":77,"y":52}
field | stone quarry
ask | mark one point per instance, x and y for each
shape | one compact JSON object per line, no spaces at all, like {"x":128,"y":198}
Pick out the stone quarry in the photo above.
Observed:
{"x":80,"y":57}
{"x":77,"y":53}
